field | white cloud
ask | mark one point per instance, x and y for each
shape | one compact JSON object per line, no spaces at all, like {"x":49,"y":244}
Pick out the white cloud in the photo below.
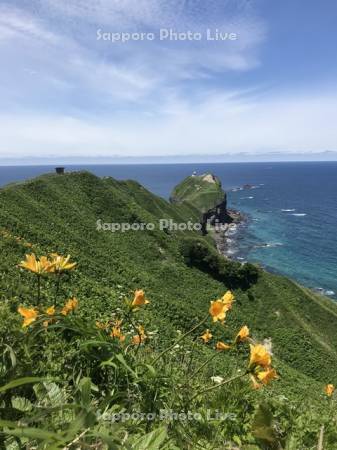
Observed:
{"x":60,"y":65}
{"x":56,"y":42}
{"x":224,"y":124}
{"x":65,"y":93}
{"x":15,"y":23}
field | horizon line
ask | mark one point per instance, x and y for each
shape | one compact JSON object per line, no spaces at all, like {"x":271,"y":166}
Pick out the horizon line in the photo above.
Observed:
{"x":135,"y":163}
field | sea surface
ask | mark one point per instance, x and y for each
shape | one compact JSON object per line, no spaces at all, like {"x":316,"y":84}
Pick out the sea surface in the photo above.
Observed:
{"x":291,"y":210}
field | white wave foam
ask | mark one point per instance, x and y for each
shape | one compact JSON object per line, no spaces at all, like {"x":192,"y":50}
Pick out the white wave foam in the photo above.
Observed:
{"x":329,"y":292}
{"x":288,"y":210}
{"x":269,"y":245}
{"x":299,"y":214}
{"x":322,"y":291}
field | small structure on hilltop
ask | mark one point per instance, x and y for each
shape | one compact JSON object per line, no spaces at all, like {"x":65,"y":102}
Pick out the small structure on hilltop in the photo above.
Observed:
{"x":59,"y":170}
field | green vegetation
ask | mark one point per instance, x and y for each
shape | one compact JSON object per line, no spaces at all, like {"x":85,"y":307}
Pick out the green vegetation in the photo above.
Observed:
{"x":61,"y":383}
{"x":203,"y":192}
{"x":199,"y":253}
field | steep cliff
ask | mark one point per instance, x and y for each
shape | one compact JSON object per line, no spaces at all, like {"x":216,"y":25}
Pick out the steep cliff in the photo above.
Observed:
{"x":205,"y":193}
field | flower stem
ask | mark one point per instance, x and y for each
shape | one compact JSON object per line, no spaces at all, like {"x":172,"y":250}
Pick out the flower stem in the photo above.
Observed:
{"x":320,"y":439}
{"x":180,"y":339}
{"x":58,"y":282}
{"x":191,"y":357}
{"x":137,"y":331}
{"x":210,"y":388}
{"x":38,"y":289}
{"x":203,"y":365}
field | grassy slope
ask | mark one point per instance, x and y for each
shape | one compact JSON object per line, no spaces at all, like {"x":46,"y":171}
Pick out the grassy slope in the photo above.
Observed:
{"x":59,"y":213}
{"x":200,"y":193}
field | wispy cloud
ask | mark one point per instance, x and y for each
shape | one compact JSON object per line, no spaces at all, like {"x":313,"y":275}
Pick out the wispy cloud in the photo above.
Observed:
{"x":64,"y":92}
{"x":58,"y":40}
{"x":228,"y":123}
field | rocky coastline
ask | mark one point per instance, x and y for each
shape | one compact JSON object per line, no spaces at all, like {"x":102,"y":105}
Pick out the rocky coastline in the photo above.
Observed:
{"x":225,"y":234}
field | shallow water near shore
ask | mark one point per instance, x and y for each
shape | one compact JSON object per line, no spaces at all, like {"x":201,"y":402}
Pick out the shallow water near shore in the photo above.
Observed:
{"x":291,"y":210}
{"x":292,"y":222}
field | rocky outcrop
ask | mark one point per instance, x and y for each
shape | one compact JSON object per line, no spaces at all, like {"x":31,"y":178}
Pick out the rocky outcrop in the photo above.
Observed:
{"x":218,"y":215}
{"x":205,"y":193}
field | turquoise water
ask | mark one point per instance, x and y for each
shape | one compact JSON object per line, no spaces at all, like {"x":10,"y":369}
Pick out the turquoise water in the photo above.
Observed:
{"x":300,"y":243}
{"x":292,"y":222}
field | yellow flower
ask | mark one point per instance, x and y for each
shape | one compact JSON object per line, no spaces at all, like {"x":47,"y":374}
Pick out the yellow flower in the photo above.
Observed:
{"x":141,"y":330}
{"x":61,"y":264}
{"x":267,"y":375}
{"x":117,"y":333}
{"x":218,"y":311}
{"x":207,"y":336}
{"x":242,"y":335}
{"x":228,"y":299}
{"x":29,"y":315}
{"x":71,"y":305}
{"x":140,"y":337}
{"x":329,"y":389}
{"x":255,"y":384}
{"x":139,"y":299}
{"x":74,"y":302}
{"x":38,"y":266}
{"x":259,"y":356}
{"x":50,"y":311}
{"x":137,"y":340}
{"x":222,"y":346}
{"x":101,"y":325}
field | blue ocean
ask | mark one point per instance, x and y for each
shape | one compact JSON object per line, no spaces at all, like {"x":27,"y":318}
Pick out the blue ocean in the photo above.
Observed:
{"x":291,"y":210}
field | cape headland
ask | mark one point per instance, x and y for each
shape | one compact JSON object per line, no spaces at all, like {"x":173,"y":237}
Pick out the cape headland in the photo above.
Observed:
{"x":205,"y":193}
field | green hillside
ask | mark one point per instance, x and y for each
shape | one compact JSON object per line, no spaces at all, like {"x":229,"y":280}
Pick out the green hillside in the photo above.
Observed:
{"x":180,"y":272}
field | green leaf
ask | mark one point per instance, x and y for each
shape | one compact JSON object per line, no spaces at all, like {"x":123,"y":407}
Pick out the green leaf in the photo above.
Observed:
{"x":237,"y":440}
{"x":49,"y":393}
{"x":263,"y":427}
{"x":20,"y":382}
{"x":151,"y":369}
{"x":151,"y":441}
{"x":12,"y":429}
{"x":11,"y":444}
{"x":21,"y":404}
{"x":121,"y":359}
{"x":85,"y":389}
{"x":107,"y":439}
{"x":109,"y":363}
{"x":11,"y":353}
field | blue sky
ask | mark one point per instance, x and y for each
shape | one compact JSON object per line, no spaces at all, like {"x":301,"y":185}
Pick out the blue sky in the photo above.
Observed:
{"x":65,"y":92}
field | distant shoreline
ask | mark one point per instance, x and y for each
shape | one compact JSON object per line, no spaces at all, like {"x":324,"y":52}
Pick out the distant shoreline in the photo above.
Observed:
{"x":175,"y":160}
